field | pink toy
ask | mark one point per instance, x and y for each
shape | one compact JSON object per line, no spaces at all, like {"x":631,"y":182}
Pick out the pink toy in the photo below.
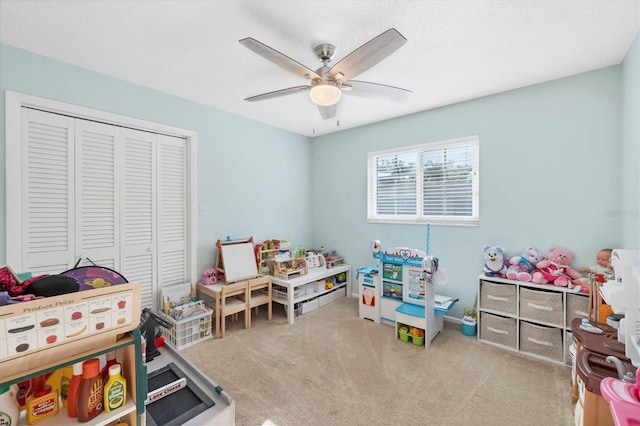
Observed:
{"x":523,"y":266}
{"x":209,"y":277}
{"x":623,"y":398}
{"x":556,"y":269}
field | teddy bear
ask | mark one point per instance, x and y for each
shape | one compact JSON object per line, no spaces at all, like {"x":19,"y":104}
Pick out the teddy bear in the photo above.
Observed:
{"x":556,"y":268}
{"x":521,"y":267}
{"x":494,"y":262}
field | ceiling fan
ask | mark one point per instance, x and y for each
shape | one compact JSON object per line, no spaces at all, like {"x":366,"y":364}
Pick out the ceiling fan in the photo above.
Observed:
{"x":328,"y":83}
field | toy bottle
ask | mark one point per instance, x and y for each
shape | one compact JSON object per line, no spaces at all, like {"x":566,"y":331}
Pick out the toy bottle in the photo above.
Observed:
{"x":115,"y":390}
{"x":24,"y":390}
{"x":65,"y":381}
{"x":9,"y":406}
{"x":54,"y":380}
{"x":111,"y":360}
{"x":74,"y":386}
{"x":91,"y":391}
{"x":43,"y":402}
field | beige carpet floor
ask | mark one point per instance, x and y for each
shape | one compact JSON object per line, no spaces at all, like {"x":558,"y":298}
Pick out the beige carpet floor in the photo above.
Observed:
{"x":332,"y":368}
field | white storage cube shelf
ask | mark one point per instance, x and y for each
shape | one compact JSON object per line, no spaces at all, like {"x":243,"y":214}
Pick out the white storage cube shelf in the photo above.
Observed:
{"x":306,"y":293}
{"x":189,"y":331}
{"x":534,"y":319}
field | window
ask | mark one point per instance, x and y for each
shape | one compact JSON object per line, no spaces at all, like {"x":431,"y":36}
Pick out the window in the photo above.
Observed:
{"x":434,"y":182}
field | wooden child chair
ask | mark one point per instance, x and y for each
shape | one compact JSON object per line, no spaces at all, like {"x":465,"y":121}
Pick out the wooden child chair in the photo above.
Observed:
{"x":235,"y":298}
{"x":259,"y":290}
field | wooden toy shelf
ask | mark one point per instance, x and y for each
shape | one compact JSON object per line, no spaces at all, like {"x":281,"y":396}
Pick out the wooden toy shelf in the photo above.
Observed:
{"x":290,"y":268}
{"x":100,"y":333}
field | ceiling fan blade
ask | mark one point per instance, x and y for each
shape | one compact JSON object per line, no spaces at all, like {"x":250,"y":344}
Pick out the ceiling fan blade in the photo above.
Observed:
{"x":278,"y":93}
{"x":327,"y":112}
{"x":278,"y":58}
{"x":367,"y":89}
{"x":367,"y":55}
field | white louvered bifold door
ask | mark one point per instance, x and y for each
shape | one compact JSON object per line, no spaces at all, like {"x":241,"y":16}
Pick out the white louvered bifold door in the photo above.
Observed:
{"x":47,"y":195}
{"x":97,"y":203}
{"x":112,"y":194}
{"x":172,"y":210}
{"x":138,"y":212}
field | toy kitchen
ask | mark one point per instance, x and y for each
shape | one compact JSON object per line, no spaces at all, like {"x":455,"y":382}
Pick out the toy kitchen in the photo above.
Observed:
{"x":622,"y":393}
{"x":399,"y":291}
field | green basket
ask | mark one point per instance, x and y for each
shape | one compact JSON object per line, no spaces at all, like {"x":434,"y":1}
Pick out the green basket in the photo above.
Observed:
{"x":418,"y":340}
{"x":404,"y":336}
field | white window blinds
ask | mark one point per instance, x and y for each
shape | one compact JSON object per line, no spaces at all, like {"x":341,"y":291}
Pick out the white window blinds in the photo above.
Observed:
{"x":435,"y":182}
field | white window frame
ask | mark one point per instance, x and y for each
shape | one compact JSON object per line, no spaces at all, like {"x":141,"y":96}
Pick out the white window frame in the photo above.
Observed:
{"x":419,"y":218}
{"x":14,"y":101}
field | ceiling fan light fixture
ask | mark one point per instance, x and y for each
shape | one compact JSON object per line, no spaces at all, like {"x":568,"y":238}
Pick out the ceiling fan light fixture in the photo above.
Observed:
{"x":325,"y":94}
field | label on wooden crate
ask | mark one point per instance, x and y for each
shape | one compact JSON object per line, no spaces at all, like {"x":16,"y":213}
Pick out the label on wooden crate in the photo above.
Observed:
{"x":41,"y":324}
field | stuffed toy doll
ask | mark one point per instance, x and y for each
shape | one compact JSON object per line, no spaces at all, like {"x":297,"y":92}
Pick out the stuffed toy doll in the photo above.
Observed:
{"x":524,"y":265}
{"x":556,"y":269}
{"x":494,"y":262}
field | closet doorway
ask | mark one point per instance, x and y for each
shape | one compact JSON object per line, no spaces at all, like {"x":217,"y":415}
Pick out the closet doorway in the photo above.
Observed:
{"x":93,"y":185}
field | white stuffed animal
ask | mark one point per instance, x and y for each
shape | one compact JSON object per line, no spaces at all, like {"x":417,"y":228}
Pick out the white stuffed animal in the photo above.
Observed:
{"x":494,"y":263}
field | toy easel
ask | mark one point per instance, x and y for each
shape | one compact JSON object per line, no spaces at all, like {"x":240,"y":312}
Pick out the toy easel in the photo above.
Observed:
{"x":219,"y":264}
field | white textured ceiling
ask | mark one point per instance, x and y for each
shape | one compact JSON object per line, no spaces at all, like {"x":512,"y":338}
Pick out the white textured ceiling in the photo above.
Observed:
{"x":456,"y":50}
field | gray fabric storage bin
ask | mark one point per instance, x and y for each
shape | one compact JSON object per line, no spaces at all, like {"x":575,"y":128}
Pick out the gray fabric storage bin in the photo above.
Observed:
{"x":541,"y":340}
{"x":577,"y":307}
{"x":539,"y":305}
{"x":497,"y":329}
{"x":498,"y":297}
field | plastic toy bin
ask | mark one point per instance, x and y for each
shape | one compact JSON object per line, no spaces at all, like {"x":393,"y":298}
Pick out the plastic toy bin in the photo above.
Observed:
{"x":469,"y":326}
{"x":404,"y":333}
{"x":189,"y":331}
{"x":469,"y":321}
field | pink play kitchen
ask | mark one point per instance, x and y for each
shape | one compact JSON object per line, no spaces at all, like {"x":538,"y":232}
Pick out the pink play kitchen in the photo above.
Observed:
{"x":606,"y":377}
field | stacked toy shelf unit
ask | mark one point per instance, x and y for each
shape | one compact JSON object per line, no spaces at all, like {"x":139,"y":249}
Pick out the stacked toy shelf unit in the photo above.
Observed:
{"x":530,"y":318}
{"x":45,"y":335}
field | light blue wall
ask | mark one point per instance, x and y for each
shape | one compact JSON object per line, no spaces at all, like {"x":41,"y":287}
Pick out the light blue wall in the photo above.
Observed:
{"x":630,"y":159}
{"x":552,"y":160}
{"x":549,"y":175}
{"x":241,"y":163}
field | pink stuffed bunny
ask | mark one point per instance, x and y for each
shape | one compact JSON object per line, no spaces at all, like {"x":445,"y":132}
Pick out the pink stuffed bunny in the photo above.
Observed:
{"x":556,"y":269}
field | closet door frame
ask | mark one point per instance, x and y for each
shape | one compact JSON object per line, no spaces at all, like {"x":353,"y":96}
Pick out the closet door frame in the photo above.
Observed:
{"x":15,"y":101}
